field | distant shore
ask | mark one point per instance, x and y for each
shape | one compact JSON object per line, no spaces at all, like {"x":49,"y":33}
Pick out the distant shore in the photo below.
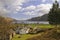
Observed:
{"x":32,"y":22}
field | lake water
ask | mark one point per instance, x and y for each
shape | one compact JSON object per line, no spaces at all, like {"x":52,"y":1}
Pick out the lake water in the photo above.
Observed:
{"x":32,"y":22}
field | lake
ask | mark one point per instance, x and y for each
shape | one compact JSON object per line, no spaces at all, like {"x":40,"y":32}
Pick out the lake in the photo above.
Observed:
{"x":33,"y":22}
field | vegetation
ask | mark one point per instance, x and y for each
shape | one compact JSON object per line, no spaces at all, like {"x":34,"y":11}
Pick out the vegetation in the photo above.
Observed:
{"x":5,"y":26}
{"x":26,"y":36}
{"x":48,"y":35}
{"x":54,"y":14}
{"x":22,"y":37}
{"x":35,"y":25}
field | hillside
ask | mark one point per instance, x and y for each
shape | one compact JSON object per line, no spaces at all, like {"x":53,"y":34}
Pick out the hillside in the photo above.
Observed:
{"x":6,"y":19}
{"x":40,"y":18}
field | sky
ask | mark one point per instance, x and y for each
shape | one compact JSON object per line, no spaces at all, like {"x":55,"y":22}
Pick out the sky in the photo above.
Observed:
{"x":25,"y":9}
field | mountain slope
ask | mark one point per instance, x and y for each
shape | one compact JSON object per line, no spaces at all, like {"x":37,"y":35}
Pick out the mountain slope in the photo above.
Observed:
{"x":40,"y":18}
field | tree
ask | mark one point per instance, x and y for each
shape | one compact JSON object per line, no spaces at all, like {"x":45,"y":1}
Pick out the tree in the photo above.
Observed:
{"x":54,"y":14}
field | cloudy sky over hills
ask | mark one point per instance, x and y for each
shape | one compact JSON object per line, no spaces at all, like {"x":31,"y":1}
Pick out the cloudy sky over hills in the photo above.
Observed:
{"x":24,"y":9}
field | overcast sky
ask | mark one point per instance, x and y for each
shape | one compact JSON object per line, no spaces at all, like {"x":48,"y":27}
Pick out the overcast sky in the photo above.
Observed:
{"x":24,"y":9}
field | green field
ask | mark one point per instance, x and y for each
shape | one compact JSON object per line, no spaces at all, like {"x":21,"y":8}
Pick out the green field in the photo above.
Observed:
{"x":36,"y":25}
{"x":22,"y":37}
{"x":25,"y":36}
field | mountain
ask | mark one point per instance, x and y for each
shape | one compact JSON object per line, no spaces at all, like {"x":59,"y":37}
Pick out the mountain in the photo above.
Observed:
{"x":40,"y":18}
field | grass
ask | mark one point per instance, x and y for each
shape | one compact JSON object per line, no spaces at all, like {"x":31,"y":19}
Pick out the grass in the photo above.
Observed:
{"x":36,"y":25}
{"x":45,"y":26}
{"x":24,"y":37}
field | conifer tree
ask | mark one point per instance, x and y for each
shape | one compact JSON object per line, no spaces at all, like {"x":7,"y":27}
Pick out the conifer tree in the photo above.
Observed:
{"x":54,"y":14}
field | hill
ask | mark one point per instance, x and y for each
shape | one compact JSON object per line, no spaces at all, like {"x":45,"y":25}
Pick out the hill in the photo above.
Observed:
{"x":40,"y":18}
{"x":6,"y":19}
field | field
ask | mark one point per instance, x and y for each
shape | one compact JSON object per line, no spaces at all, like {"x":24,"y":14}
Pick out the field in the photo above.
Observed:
{"x":25,"y":36}
{"x":36,"y":25}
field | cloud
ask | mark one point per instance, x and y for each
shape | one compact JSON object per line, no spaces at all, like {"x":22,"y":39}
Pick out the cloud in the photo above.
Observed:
{"x":30,"y":7}
{"x":54,"y":0}
{"x":44,"y":8}
{"x":3,"y":11}
{"x":10,"y":6}
{"x":37,"y":10}
{"x":43,"y":0}
{"x":30,"y":13}
{"x":19,"y":18}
